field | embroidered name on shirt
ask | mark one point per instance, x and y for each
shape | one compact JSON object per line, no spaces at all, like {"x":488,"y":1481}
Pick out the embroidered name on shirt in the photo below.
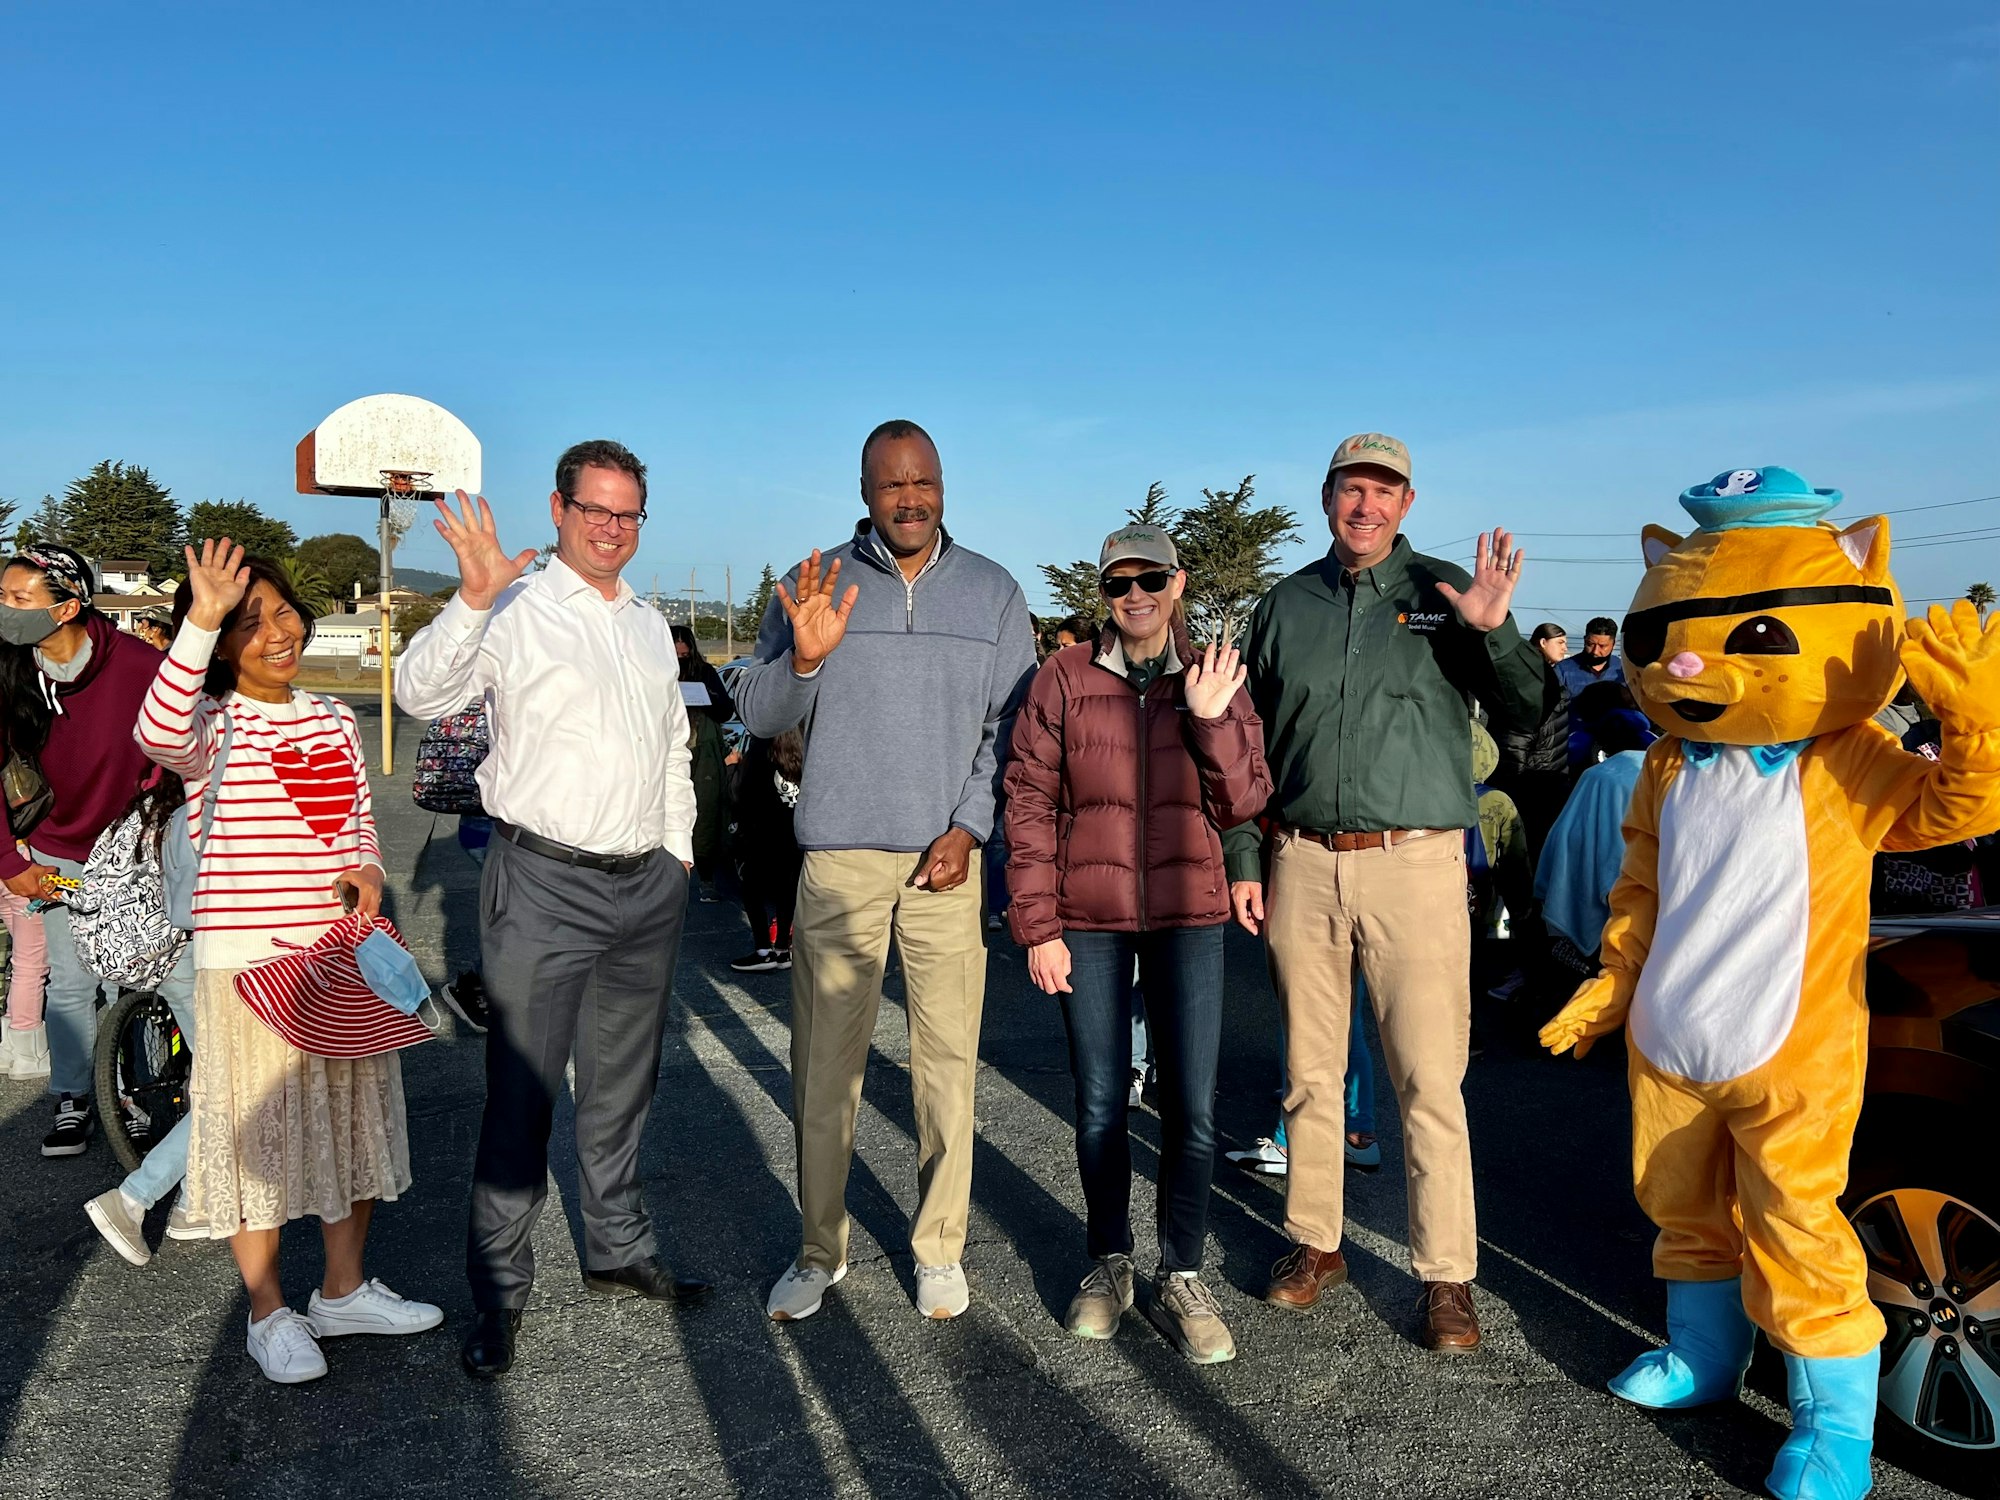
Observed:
{"x":1422,"y":622}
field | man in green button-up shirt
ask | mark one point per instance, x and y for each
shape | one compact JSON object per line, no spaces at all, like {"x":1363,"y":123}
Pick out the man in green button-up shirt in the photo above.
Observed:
{"x":1362,"y":667}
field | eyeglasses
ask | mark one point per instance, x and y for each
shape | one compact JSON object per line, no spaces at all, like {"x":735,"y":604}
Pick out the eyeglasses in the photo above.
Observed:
{"x":597,"y":515}
{"x":1153,"y":583}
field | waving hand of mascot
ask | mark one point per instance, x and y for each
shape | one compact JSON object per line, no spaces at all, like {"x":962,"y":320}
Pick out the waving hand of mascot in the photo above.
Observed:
{"x":1764,"y":643}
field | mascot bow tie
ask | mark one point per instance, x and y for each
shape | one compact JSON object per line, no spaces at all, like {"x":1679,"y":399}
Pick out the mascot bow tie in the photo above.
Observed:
{"x":1769,"y":759}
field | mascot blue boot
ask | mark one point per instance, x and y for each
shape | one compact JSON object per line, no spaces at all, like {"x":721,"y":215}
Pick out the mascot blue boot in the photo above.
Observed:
{"x":1709,"y":1343}
{"x":1833,"y":1428}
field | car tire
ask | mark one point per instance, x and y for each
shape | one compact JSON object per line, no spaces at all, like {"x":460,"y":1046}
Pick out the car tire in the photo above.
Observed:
{"x":1924,"y":1197}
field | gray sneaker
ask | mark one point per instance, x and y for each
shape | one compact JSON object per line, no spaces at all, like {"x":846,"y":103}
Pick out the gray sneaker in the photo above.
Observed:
{"x":941,"y":1291}
{"x":1101,"y":1299}
{"x":118,"y":1219}
{"x":1186,"y":1312}
{"x":800,"y":1291}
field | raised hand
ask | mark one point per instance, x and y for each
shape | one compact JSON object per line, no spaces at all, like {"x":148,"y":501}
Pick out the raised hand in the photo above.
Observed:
{"x":818,"y":624}
{"x":1495,"y":571}
{"x":218,"y":581}
{"x":484,"y":569}
{"x":1954,"y":665}
{"x":1213,"y":681}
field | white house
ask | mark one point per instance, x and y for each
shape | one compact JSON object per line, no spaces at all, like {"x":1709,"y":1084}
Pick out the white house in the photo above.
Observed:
{"x":123,"y":576}
{"x":353,"y":637}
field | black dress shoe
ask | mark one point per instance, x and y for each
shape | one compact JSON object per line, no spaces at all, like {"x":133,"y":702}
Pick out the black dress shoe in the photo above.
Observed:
{"x":645,"y":1278}
{"x":489,"y":1347}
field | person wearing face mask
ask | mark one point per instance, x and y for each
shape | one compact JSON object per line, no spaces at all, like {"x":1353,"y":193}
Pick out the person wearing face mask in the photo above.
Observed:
{"x":1361,"y":663}
{"x":1131,"y":752}
{"x":275,"y":1133}
{"x":82,"y":681}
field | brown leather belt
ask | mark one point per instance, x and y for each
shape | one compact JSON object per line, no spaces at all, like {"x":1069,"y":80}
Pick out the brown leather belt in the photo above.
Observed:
{"x":1353,"y":843}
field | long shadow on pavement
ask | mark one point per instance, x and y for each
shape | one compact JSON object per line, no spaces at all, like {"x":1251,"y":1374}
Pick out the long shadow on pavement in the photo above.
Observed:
{"x":1036,"y":1423}
{"x":373,"y":1426}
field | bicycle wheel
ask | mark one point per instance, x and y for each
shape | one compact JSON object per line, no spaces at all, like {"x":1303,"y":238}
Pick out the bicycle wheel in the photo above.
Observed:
{"x":142,"y":1071}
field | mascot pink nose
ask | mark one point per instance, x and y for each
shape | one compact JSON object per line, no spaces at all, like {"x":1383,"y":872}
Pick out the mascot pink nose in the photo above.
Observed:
{"x":1686,"y":665}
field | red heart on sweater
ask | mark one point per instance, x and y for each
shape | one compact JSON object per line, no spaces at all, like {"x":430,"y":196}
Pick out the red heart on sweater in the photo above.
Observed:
{"x":321,"y":786}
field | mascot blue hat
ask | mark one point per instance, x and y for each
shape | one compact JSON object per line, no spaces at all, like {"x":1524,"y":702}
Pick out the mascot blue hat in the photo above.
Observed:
{"x":1757,"y":497}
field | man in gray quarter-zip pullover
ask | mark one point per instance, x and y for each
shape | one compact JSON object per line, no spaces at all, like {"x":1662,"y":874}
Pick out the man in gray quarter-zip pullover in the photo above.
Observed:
{"x":905,"y":657}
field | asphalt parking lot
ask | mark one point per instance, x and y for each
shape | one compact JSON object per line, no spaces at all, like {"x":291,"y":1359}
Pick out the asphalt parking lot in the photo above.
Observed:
{"x":116,"y":1381}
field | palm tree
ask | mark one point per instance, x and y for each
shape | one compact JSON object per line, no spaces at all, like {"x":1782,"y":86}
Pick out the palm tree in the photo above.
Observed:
{"x":1980,"y":595}
{"x":310,"y":584}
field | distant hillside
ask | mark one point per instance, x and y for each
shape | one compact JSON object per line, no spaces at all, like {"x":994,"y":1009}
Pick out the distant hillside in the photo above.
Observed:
{"x":423,"y":580}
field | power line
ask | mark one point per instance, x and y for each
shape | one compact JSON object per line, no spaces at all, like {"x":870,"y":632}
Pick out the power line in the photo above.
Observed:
{"x":1902,"y":510}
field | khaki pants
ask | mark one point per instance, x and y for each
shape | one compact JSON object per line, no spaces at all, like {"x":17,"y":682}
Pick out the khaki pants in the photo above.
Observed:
{"x":1401,"y":915}
{"x":850,"y":901}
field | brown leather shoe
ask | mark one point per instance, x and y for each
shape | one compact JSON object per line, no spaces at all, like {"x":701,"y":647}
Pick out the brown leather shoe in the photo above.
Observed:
{"x":1303,"y":1276}
{"x":1446,"y":1322}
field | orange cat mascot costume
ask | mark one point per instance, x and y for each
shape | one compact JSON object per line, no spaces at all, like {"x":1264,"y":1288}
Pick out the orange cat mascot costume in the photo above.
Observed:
{"x":1764,"y":644}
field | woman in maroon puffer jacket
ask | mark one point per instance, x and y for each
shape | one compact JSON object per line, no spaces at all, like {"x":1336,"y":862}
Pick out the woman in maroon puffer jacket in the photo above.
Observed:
{"x":1128,"y":757}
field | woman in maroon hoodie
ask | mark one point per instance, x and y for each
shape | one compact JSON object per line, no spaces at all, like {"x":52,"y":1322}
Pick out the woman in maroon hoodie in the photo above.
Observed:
{"x":1128,"y":756}
{"x":83,"y":680}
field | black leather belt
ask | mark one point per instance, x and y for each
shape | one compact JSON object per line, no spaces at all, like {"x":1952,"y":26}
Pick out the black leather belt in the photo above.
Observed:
{"x":583,"y":859}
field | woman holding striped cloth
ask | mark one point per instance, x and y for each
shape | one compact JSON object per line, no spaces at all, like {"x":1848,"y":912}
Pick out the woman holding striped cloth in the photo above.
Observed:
{"x":276,"y":1133}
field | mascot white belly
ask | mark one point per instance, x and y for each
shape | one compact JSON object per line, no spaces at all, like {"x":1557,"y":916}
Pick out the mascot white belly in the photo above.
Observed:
{"x":1721,"y":984}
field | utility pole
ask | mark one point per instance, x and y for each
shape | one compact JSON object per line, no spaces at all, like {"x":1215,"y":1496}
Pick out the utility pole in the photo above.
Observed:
{"x":729,"y":612}
{"x":382,"y":613}
{"x":692,"y":589}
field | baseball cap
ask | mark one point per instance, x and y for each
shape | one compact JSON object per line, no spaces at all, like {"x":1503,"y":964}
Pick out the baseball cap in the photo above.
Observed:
{"x":1372,"y":448}
{"x":1138,"y":543}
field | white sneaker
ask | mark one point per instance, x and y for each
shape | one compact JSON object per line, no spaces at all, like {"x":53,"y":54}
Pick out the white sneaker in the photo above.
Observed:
{"x":28,"y":1052}
{"x":120,"y":1220}
{"x":285,"y":1350}
{"x":182,"y":1225}
{"x":800,"y":1291}
{"x":370,"y":1308}
{"x":1267,"y":1158}
{"x":941,"y":1291}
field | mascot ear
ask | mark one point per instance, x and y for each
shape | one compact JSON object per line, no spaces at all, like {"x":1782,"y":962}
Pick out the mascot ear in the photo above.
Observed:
{"x":1655,"y":542}
{"x":1866,"y":544}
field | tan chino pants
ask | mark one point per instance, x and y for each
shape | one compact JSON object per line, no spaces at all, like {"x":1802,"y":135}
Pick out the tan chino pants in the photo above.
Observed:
{"x":1401,"y":915}
{"x":850,"y":901}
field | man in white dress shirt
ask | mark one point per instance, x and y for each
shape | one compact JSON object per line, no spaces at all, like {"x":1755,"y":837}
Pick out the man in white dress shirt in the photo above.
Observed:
{"x":584,"y":889}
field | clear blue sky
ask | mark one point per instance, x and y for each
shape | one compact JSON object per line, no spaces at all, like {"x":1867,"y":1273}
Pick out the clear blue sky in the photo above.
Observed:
{"x":1577,"y":255}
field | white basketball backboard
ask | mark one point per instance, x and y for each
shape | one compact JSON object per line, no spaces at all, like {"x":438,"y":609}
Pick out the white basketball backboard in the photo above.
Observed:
{"x":354,"y":448}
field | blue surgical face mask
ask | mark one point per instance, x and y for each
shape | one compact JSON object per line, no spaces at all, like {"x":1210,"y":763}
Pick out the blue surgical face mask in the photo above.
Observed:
{"x":391,"y":972}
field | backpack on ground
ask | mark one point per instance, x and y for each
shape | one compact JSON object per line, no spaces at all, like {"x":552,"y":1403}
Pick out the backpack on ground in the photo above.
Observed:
{"x":448,"y":756}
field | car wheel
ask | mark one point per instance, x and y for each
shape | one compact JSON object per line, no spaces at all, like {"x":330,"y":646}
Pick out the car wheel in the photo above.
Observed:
{"x":1931,"y":1232}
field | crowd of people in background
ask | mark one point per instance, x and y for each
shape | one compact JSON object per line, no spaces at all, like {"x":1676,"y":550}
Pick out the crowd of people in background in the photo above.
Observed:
{"x":1410,"y":806}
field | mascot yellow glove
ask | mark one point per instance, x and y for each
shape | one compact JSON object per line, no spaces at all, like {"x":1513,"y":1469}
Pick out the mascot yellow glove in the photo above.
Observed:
{"x":1954,"y":666}
{"x":1597,"y":1009}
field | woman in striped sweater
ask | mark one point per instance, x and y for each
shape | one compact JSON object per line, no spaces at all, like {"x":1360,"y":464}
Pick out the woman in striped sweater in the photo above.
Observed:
{"x":276,"y":1133}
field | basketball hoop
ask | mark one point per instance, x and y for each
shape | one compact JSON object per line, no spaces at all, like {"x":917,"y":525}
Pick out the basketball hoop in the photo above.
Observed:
{"x":403,"y":483}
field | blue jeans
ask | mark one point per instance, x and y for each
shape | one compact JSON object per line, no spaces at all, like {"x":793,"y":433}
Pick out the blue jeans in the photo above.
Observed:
{"x":69,"y":1003}
{"x":1360,"y":1072}
{"x":166,"y":1164}
{"x":1180,"y":969}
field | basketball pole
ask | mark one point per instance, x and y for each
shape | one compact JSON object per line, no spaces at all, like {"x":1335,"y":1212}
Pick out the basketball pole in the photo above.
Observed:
{"x":382,"y":614}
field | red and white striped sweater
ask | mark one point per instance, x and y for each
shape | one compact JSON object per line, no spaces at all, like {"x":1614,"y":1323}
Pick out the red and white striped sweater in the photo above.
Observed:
{"x":291,"y":813}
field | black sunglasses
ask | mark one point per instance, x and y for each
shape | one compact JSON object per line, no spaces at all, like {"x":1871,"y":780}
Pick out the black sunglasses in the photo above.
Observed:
{"x":1154,"y":582}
